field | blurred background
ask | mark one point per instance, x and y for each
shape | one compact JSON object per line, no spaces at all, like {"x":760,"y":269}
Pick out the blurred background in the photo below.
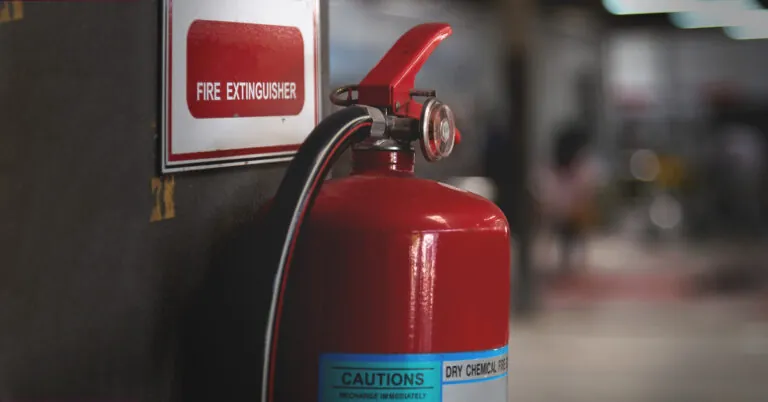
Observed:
{"x":625,"y":140}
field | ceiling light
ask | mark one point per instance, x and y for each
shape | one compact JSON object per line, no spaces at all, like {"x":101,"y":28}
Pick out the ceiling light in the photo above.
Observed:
{"x":714,"y":14}
{"x":747,"y":32}
{"x":628,"y":7}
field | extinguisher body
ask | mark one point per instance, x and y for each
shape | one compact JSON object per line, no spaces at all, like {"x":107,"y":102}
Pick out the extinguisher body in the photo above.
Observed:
{"x":399,"y":290}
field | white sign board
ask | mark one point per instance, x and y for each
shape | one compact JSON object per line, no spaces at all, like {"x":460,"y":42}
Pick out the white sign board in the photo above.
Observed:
{"x":241,"y":81}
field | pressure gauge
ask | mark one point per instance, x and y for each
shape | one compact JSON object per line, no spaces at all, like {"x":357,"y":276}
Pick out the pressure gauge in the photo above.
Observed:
{"x":437,"y":130}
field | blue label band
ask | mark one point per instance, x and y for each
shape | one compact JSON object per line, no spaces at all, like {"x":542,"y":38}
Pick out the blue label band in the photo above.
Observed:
{"x":413,"y":377}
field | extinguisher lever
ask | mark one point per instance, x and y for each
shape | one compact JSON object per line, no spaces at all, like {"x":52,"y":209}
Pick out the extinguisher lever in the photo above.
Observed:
{"x":390,"y":82}
{"x":389,"y":87}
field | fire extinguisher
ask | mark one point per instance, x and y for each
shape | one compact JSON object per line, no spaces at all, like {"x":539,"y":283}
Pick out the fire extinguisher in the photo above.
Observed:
{"x":399,"y":286}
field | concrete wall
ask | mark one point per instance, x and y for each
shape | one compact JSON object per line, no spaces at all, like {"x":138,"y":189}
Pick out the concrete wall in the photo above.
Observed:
{"x":90,"y":290}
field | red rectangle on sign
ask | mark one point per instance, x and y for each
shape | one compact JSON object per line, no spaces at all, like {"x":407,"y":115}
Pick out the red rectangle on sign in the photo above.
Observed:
{"x":244,"y":70}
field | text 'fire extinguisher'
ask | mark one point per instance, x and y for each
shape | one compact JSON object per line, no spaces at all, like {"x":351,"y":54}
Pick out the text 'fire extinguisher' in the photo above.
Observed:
{"x":399,"y":286}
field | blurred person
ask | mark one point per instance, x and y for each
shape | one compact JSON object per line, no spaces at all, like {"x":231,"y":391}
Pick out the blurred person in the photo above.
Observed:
{"x":744,"y":165}
{"x":498,"y":167}
{"x":568,"y":193}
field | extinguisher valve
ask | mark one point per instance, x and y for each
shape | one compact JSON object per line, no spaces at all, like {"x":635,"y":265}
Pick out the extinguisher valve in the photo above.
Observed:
{"x":435,"y":129}
{"x":387,"y":93}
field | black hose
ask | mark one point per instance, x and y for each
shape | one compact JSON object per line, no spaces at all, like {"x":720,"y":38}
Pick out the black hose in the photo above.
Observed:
{"x":293,"y":200}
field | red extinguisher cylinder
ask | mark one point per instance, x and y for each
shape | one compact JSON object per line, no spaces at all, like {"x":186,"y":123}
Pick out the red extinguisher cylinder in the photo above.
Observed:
{"x":393,"y":266}
{"x":399,"y":286}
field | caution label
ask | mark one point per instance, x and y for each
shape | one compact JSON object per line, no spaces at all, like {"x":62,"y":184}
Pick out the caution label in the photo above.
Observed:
{"x":450,"y":377}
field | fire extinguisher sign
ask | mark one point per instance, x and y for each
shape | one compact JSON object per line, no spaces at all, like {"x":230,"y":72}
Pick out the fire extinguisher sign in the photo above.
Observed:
{"x":442,"y":377}
{"x":240,"y":81}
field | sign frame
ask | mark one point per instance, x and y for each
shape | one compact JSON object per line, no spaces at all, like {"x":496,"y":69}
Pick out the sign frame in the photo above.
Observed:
{"x":235,"y":156}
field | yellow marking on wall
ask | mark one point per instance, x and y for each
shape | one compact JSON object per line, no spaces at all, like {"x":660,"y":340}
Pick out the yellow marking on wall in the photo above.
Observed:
{"x":163,"y":189}
{"x":11,"y":10}
{"x":169,"y":187}
{"x":157,"y":209}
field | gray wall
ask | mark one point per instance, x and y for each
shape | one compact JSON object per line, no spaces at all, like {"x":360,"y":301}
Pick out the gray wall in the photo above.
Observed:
{"x":89,"y":289}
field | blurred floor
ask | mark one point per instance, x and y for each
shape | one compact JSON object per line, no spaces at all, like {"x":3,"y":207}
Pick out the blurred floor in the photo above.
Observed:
{"x":677,"y":353}
{"x":636,"y":326}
